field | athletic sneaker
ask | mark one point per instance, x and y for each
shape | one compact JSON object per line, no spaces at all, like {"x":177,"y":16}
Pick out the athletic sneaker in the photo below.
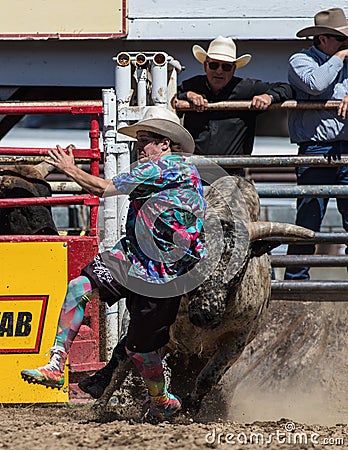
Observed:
{"x":164,"y":407}
{"x":52,"y":374}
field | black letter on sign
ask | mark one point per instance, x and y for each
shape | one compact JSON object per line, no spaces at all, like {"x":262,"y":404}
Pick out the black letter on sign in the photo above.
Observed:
{"x":6,"y":324}
{"x":23,"y":326}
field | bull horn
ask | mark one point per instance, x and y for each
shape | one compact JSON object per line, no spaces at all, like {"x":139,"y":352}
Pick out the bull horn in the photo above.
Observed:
{"x":260,"y":230}
{"x":44,"y":168}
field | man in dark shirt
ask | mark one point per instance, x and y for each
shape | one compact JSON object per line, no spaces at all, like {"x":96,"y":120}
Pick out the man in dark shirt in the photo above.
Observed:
{"x":225,"y":132}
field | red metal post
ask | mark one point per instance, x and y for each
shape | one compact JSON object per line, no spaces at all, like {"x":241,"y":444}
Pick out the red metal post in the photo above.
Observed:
{"x":94,"y":135}
{"x":85,"y":354}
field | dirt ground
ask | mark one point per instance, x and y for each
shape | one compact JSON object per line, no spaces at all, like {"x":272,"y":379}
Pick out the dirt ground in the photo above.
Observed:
{"x":73,"y":426}
{"x":288,"y":390}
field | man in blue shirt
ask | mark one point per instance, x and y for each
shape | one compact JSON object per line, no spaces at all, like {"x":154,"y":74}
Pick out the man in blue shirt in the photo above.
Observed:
{"x":320,"y":73}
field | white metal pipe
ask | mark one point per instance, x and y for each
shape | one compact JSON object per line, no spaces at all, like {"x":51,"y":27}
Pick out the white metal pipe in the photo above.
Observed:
{"x":141,"y":64}
{"x":172,"y":88}
{"x":116,"y":154}
{"x":109,"y":136}
{"x":123,"y":78}
{"x":159,"y":79}
{"x":123,"y":163}
{"x":123,"y":96}
{"x":111,"y":225}
{"x":142,"y":86}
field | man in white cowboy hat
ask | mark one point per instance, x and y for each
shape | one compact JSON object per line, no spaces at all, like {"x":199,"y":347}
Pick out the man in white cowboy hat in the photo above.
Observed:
{"x":320,"y":73}
{"x":225,"y":132}
{"x":165,"y":218}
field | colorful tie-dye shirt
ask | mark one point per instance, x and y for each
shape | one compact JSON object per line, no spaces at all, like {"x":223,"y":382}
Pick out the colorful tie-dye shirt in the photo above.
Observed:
{"x":165,"y":218}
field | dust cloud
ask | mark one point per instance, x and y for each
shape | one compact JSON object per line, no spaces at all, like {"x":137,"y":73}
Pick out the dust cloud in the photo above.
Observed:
{"x":296,"y":368}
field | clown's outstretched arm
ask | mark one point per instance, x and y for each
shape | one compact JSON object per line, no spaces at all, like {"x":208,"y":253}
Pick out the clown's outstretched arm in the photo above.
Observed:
{"x":64,"y":161}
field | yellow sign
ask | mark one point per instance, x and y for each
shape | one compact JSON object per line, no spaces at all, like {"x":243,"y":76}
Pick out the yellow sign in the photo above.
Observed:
{"x":63,"y":19}
{"x":21,"y":322}
{"x":32,"y":288}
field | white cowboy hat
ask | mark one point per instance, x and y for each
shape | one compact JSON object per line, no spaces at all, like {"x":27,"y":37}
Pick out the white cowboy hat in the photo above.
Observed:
{"x":160,"y":120}
{"x":222,"y":49}
{"x":331,"y":21}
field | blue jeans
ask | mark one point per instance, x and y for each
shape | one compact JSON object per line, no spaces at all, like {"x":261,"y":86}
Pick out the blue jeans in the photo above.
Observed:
{"x":311,"y":211}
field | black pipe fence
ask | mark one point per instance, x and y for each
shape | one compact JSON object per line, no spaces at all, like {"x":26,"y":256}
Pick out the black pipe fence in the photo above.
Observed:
{"x":310,"y":291}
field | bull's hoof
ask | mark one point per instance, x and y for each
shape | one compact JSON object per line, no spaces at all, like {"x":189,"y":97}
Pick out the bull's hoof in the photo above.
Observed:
{"x":96,"y":384}
{"x":91,"y":387}
{"x":98,"y":407}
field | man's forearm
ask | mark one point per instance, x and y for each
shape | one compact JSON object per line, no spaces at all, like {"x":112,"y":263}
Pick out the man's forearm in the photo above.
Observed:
{"x":64,"y":161}
{"x":88,"y":182}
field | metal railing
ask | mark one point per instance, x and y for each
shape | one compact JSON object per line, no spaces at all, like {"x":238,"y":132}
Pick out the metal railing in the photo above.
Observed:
{"x":240,"y":105}
{"x":20,"y":155}
{"x":293,"y":290}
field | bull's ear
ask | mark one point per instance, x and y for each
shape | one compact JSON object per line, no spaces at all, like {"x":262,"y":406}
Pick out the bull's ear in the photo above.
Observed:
{"x":260,"y":247}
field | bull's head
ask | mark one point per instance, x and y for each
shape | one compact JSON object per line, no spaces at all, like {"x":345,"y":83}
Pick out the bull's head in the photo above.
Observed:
{"x":235,"y":202}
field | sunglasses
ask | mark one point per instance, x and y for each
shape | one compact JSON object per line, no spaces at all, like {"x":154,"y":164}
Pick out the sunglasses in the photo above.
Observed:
{"x":213,"y":65}
{"x":338,"y":38}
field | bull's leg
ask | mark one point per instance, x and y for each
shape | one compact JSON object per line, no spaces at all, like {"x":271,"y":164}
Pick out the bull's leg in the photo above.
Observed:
{"x":226,"y":355}
{"x":96,"y":384}
{"x":118,"y":376}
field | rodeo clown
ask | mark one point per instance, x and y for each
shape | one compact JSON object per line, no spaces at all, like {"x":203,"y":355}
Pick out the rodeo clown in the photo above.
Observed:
{"x":164,"y":222}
